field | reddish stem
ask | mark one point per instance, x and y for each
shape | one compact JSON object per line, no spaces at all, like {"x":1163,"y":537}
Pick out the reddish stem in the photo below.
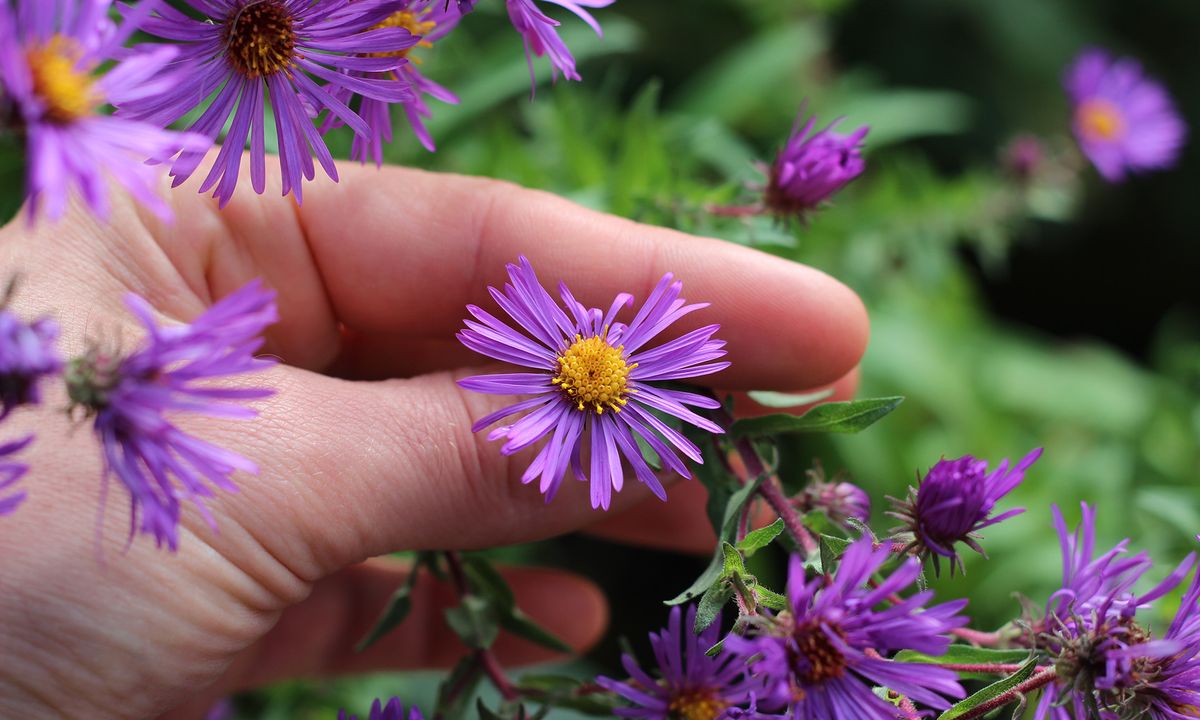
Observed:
{"x":487,"y":661}
{"x":979,"y":637}
{"x":1040,"y":679}
{"x":1001,"y":669}
{"x":738,"y":211}
{"x":770,"y":491}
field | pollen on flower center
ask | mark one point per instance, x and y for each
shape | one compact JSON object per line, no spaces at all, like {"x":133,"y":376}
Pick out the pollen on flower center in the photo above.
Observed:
{"x":65,"y":88}
{"x":593,"y":373}
{"x":260,"y":39}
{"x":411,"y":22}
{"x":697,"y":704}
{"x":1100,"y":120}
{"x":816,"y":658}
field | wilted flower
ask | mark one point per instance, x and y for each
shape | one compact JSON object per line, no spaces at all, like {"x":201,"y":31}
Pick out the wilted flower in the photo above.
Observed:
{"x":692,"y":686}
{"x":131,"y":398}
{"x":27,"y":354}
{"x":812,"y":167}
{"x":954,"y":501}
{"x":1104,"y":657}
{"x":394,"y":710}
{"x":428,"y":20}
{"x":49,"y":56}
{"x":241,"y":51}
{"x":824,"y":654}
{"x":1124,"y":121}
{"x":10,"y":472}
{"x":842,"y":502}
{"x":592,"y":375}
{"x":540,"y":33}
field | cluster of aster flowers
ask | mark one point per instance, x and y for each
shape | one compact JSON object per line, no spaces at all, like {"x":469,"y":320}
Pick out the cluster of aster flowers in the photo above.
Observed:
{"x":131,"y":397}
{"x":89,"y":106}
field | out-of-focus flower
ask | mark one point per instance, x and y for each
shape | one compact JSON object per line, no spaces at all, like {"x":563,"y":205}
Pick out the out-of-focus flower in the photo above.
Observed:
{"x":592,"y":375}
{"x":50,"y":54}
{"x":430,"y":21}
{"x":1023,"y":157}
{"x":393,"y":710}
{"x":132,"y":397}
{"x":10,"y":472}
{"x":540,"y":33}
{"x":242,"y":51}
{"x":1124,"y":121}
{"x":27,"y":354}
{"x":822,"y":657}
{"x":692,"y":685}
{"x":812,"y":167}
{"x":954,"y":501}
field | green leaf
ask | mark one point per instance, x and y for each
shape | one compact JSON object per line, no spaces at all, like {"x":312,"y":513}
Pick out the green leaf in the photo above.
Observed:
{"x":832,"y":548}
{"x":836,"y":417}
{"x":398,"y":607}
{"x":732,"y":562}
{"x":768,"y":398}
{"x":518,"y":623}
{"x":458,"y":688}
{"x":712,"y":573}
{"x":770,"y":598}
{"x":474,"y":621}
{"x":968,"y":655}
{"x":759,"y":539}
{"x":565,"y":692}
{"x":710,"y":605}
{"x":991,"y":692}
{"x":487,"y":581}
{"x":12,"y":177}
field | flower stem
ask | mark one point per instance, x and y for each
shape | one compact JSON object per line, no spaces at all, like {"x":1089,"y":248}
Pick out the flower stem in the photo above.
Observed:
{"x":1040,"y":679}
{"x":484,"y":657}
{"x":979,"y":637}
{"x":997,"y":669}
{"x":770,"y":491}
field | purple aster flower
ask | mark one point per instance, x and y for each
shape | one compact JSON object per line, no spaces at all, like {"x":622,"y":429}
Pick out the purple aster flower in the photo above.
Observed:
{"x":540,"y":34}
{"x":1103,"y":656}
{"x":592,"y":375}
{"x":428,"y":20}
{"x":812,"y":167}
{"x":132,"y":397}
{"x":954,"y":501}
{"x":394,"y":710}
{"x":240,"y":51}
{"x":1124,"y":121}
{"x":27,"y":354}
{"x":49,"y":55}
{"x":843,"y":502}
{"x":10,"y":472}
{"x":823,"y":656}
{"x":692,"y":686}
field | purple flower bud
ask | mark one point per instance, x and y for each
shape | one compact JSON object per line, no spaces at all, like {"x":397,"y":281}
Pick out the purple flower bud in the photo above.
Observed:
{"x":27,"y":354}
{"x":1023,"y":157}
{"x":393,"y":710}
{"x":812,"y":167}
{"x":954,"y":500}
{"x":840,"y":500}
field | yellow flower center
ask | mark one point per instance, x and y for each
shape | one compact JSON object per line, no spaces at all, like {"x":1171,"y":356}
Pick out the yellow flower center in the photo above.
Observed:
{"x":1186,"y":710}
{"x":260,"y":39}
{"x":702,"y":704}
{"x":1100,"y":120}
{"x":65,"y":88}
{"x":411,"y":22}
{"x":593,"y":373}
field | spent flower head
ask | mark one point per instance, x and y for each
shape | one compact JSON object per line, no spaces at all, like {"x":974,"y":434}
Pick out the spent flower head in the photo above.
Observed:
{"x":689,"y":684}
{"x":61,"y":63}
{"x":954,"y":501}
{"x":824,"y":654}
{"x":812,"y":166}
{"x":299,"y":54}
{"x":593,"y":382}
{"x":1124,"y":121}
{"x":132,"y":397}
{"x":843,"y":502}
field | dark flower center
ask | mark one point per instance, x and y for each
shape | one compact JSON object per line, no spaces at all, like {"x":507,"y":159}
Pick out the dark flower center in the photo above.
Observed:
{"x":815,"y":658}
{"x":696,"y":704}
{"x":260,"y":38}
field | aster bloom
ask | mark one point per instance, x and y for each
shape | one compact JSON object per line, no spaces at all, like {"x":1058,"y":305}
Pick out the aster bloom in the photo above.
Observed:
{"x":1103,"y":656}
{"x":954,"y":501}
{"x":592,"y":375}
{"x":539,"y":33}
{"x":243,"y":50}
{"x":692,"y":686}
{"x":49,"y":56}
{"x":813,"y":166}
{"x":132,"y":397}
{"x":825,"y":654}
{"x":430,"y":21}
{"x":1124,"y":121}
{"x":393,"y":710}
{"x":27,"y":354}
{"x":10,"y":472}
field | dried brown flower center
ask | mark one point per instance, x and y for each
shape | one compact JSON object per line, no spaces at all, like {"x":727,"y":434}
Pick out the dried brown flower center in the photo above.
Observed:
{"x":816,"y":658}
{"x":698,"y":704}
{"x":260,"y":39}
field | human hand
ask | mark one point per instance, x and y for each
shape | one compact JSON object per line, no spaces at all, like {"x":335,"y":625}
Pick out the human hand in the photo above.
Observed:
{"x":366,"y":448}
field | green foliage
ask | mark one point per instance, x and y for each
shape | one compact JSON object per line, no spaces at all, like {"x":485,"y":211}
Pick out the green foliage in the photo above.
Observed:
{"x":836,"y":417}
{"x":991,"y":692}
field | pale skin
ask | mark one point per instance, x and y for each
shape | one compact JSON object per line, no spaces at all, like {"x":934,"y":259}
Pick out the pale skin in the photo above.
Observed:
{"x":366,"y":449}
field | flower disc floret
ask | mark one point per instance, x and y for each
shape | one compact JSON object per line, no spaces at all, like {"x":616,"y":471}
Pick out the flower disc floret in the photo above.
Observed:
{"x":594,"y":375}
{"x":260,"y":38}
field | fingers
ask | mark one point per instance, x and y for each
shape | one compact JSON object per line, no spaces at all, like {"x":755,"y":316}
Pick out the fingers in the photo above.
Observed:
{"x":401,"y":252}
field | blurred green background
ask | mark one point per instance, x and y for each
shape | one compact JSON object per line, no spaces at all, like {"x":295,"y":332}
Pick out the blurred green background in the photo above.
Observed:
{"x":1056,"y":312}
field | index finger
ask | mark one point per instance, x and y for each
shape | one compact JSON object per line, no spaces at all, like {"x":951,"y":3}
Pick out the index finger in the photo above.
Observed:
{"x":401,"y":253}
